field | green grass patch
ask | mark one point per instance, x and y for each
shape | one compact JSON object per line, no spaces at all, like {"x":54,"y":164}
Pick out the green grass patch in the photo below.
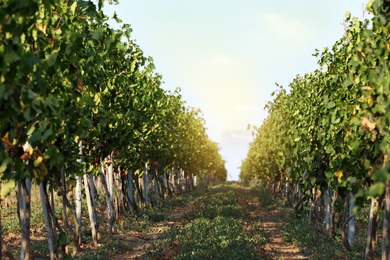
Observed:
{"x":218,"y":203}
{"x":219,"y":238}
{"x":214,"y":228}
{"x":315,"y":243}
{"x":264,"y":197}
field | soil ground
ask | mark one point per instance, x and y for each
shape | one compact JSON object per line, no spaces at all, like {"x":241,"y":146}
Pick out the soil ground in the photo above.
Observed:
{"x":272,"y":223}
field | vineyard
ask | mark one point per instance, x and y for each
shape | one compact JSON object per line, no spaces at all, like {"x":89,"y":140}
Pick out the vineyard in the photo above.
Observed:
{"x":97,"y":160}
{"x":325,"y":144}
{"x":85,"y":123}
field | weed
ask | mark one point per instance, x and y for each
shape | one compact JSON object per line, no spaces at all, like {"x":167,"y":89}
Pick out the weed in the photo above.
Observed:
{"x":264,"y":197}
{"x":316,"y":243}
{"x":221,"y":238}
{"x":153,"y":215}
{"x":214,"y":229}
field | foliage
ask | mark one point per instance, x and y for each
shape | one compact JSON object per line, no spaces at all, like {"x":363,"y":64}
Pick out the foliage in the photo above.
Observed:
{"x":330,"y":130}
{"x":68,"y":78}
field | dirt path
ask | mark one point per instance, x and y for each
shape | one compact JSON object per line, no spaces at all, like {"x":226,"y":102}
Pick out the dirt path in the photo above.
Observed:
{"x":272,"y":222}
{"x":276,"y":248}
{"x":141,"y":242}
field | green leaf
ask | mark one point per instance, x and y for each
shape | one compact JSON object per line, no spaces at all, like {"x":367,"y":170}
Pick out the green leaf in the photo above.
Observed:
{"x":117,"y":19}
{"x":352,"y":180}
{"x":369,"y":5}
{"x":347,"y":15}
{"x":51,"y":60}
{"x":11,"y":57}
{"x":35,"y":138}
{"x":383,"y":146}
{"x":6,"y":188}
{"x":48,"y":133}
{"x":381,"y":175}
{"x":379,"y":108}
{"x":355,"y":144}
{"x":31,"y":94}
{"x":336,"y":121}
{"x":376,"y":190}
{"x":132,"y":67}
{"x":367,"y":164}
{"x":73,"y":7}
{"x":4,"y":164}
{"x":331,"y":104}
{"x":28,"y":115}
{"x":31,"y":129}
{"x":347,"y":83}
{"x":98,"y":34}
{"x":356,"y":121}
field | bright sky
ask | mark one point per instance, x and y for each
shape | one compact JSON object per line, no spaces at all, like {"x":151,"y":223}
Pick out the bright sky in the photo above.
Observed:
{"x":227,"y":55}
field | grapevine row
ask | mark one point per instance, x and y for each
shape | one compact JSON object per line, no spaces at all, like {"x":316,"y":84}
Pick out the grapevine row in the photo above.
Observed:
{"x":82,"y":107}
{"x":325,"y":144}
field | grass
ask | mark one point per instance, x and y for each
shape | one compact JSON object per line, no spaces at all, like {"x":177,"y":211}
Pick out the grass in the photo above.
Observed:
{"x":214,"y":229}
{"x":313,"y":242}
{"x":220,"y":238}
{"x":109,"y":248}
{"x":219,"y":203}
{"x":265,"y":198}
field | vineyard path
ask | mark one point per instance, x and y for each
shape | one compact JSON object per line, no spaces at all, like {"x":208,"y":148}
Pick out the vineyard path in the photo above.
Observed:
{"x":272,"y":221}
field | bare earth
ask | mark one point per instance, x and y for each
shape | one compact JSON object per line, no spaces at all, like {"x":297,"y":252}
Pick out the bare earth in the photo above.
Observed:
{"x":276,"y":248}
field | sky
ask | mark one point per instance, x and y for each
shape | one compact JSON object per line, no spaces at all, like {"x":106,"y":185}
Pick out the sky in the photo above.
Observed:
{"x":226,"y":56}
